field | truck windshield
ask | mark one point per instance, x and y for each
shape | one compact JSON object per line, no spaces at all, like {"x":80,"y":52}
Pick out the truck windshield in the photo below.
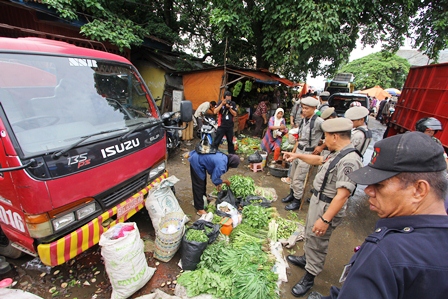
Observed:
{"x":51,"y":102}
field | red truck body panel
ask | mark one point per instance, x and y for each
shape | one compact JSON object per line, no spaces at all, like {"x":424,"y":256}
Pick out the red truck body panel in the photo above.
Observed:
{"x":425,"y":94}
{"x":91,"y":165}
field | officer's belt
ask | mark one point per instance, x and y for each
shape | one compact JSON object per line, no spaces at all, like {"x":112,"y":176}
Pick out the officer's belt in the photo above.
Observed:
{"x":322,"y":197}
{"x":306,"y":149}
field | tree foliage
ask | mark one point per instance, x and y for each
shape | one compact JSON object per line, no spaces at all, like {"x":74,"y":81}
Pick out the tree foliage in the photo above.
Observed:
{"x":378,"y":69}
{"x":291,"y":37}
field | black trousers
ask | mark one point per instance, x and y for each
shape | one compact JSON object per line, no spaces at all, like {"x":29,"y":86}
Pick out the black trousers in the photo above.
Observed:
{"x":228,"y":132}
{"x":199,"y":187}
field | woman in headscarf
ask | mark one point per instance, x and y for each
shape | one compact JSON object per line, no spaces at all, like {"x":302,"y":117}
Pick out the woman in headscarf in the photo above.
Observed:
{"x":272,"y":140}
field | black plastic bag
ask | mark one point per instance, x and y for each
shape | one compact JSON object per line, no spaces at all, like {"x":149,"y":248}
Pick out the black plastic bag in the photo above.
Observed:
{"x":256,"y":200}
{"x":202,"y":224}
{"x":227,"y":196}
{"x":255,"y":158}
{"x":191,"y":252}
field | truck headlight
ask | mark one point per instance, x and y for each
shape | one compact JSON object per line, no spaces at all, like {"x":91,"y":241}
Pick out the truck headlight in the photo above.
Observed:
{"x":86,"y":211}
{"x":156,"y":170}
{"x":63,"y":221}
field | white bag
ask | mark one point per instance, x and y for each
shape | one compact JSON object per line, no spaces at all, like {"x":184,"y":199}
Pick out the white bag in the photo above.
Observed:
{"x":125,"y":260}
{"x":161,"y":201}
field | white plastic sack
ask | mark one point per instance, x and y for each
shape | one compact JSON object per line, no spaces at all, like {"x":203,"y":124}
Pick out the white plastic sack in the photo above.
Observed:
{"x":161,"y":201}
{"x":158,"y":294}
{"x":280,"y":262}
{"x":125,"y":260}
{"x":233,"y":212}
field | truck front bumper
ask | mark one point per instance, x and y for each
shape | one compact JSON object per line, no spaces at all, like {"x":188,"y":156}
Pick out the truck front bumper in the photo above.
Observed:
{"x":66,"y":248}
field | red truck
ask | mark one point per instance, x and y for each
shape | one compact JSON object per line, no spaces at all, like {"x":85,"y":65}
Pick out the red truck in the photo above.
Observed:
{"x":425,"y":94}
{"x":81,"y":144}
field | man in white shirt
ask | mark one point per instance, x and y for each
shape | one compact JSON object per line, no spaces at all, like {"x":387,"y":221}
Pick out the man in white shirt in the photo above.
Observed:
{"x":202,"y":110}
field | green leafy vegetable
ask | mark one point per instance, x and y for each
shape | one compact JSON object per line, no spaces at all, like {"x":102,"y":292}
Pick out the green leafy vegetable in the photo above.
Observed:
{"x":196,"y":235}
{"x":257,"y":216}
{"x":242,"y":186}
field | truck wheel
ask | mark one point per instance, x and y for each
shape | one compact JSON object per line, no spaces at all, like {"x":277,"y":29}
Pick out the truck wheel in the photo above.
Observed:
{"x":6,"y":249}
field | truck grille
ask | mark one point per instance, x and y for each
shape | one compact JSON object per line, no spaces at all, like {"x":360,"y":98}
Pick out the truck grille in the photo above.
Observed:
{"x":124,"y":192}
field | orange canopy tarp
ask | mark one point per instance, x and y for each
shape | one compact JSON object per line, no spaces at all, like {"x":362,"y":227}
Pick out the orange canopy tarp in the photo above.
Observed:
{"x":203,"y":86}
{"x":376,"y":92}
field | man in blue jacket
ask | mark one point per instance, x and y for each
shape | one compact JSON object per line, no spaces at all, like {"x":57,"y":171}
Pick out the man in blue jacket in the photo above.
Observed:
{"x":215,"y":165}
{"x":407,"y":254}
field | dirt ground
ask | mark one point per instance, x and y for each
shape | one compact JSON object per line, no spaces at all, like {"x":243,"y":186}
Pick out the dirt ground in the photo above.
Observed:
{"x":86,"y":277}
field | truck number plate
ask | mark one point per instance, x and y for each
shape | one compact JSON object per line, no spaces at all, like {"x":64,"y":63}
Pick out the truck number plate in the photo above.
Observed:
{"x":9,"y":217}
{"x":131,"y":204}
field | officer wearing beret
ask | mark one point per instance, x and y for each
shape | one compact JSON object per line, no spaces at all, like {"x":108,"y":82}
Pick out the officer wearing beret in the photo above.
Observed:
{"x":328,"y":203}
{"x":406,"y":256}
{"x":324,"y":101}
{"x":329,"y":113}
{"x":361,"y":135}
{"x":310,"y":133}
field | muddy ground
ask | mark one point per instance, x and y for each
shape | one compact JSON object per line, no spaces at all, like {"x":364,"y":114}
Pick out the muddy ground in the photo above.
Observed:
{"x":86,"y":278}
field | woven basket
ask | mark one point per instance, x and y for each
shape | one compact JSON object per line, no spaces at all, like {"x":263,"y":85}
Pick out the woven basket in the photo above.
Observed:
{"x":168,"y":244}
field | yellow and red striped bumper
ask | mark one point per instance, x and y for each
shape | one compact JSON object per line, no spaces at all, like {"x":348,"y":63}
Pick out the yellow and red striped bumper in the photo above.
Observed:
{"x":66,"y":248}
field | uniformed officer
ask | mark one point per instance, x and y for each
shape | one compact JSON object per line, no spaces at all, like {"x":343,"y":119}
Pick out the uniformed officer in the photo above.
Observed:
{"x":329,"y":113}
{"x":295,"y":116}
{"x":406,"y":256}
{"x":324,"y":96}
{"x":361,"y":135}
{"x":328,"y":203}
{"x":310,"y":133}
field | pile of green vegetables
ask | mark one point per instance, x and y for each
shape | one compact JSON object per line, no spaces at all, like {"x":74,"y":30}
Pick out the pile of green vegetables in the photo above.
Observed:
{"x":242,"y":186}
{"x":196,"y":235}
{"x":258,"y":216}
{"x":248,"y":146}
{"x":239,"y":269}
{"x":240,"y":266}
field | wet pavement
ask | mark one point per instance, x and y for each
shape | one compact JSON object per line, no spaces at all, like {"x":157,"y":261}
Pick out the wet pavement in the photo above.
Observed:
{"x":85,"y":277}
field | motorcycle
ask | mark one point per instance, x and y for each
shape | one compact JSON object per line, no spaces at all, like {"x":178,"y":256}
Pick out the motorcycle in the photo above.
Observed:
{"x":171,"y":123}
{"x":207,"y":134}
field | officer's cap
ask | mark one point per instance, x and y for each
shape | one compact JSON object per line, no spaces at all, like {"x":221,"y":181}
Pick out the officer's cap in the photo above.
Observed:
{"x":324,"y":94}
{"x":327,"y":113}
{"x":401,"y":153}
{"x":355,"y":113}
{"x":309,"y":101}
{"x":337,"y":125}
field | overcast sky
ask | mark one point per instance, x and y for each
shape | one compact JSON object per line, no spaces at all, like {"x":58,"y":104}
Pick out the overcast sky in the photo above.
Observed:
{"x":319,"y":82}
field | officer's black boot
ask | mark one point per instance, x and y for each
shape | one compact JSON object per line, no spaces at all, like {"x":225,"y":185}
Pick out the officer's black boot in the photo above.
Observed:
{"x":288,"y":197}
{"x":304,"y":285}
{"x":295,"y":205}
{"x":297,"y":260}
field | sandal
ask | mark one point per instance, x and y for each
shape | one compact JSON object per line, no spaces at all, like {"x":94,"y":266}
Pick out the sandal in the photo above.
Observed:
{"x":7,"y":282}
{"x":286,"y":180}
{"x":201,"y":212}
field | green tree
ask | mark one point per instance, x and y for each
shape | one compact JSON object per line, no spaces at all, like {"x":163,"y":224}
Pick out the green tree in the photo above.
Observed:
{"x":378,"y":69}
{"x":291,"y":37}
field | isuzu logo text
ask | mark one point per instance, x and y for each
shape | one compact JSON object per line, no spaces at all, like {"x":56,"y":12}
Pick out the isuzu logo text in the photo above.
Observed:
{"x":119,"y":148}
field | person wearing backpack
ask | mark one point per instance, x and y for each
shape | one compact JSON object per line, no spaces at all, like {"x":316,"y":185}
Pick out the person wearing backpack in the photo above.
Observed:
{"x":361,"y":135}
{"x":310,"y":133}
{"x":332,"y":188}
{"x":324,"y":101}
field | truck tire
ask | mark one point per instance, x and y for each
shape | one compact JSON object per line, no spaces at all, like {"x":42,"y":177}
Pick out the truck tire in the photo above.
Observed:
{"x":6,"y":249}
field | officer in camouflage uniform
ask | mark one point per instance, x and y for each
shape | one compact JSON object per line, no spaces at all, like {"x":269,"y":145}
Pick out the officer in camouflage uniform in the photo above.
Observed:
{"x":310,"y":133}
{"x":328,"y":203}
{"x":361,"y":135}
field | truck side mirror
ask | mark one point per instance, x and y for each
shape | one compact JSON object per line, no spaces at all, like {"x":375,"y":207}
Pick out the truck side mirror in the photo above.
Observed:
{"x":186,"y":111}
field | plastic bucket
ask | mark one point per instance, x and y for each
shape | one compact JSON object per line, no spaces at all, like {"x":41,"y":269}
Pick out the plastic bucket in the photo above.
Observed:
{"x":264,"y":155}
{"x":226,"y":226}
{"x":167,"y":244}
